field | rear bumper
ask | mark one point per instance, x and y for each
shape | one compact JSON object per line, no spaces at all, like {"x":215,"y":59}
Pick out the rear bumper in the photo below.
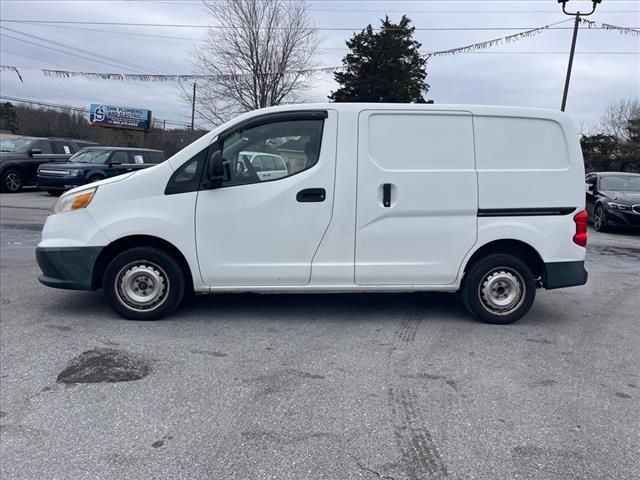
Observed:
{"x":70,"y":268}
{"x":564,"y":274}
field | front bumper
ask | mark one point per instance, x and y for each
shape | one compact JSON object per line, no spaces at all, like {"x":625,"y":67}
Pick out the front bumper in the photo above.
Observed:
{"x":58,"y":183}
{"x":625,"y":219}
{"x":564,"y":274}
{"x":70,"y":268}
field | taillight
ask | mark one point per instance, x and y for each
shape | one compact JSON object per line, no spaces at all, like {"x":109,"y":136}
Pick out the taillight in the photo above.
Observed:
{"x":581,"y":219}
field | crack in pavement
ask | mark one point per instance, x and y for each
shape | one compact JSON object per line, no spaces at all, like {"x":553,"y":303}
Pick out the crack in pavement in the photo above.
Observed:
{"x":367,"y":469}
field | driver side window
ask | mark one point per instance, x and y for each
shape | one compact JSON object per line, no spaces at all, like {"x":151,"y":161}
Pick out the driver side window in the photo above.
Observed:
{"x":252,"y":154}
{"x":43,"y":145}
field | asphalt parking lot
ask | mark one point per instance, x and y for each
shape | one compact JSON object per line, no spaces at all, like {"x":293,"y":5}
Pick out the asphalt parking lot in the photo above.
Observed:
{"x":320,"y":386}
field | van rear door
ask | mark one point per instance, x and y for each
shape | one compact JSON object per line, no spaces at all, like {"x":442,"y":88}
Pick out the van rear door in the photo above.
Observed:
{"x":417,"y":197}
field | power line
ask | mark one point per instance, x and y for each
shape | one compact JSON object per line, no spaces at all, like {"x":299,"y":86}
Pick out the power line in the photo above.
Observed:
{"x":313,"y":8}
{"x":191,"y":39}
{"x":80,"y":50}
{"x":289,"y":1}
{"x":66,"y":53}
{"x":149,"y":35}
{"x":32,"y":58}
{"x":332,"y":29}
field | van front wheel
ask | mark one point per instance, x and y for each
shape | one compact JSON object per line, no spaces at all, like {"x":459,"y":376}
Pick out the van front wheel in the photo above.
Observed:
{"x":144,"y":283}
{"x":499,"y":289}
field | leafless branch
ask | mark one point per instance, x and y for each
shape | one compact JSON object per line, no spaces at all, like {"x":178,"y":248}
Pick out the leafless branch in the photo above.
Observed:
{"x":261,"y":58}
{"x":616,"y":117}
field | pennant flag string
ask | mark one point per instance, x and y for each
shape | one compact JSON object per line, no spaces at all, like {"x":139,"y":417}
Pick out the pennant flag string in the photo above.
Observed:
{"x":145,"y":77}
{"x":11,"y":68}
{"x":496,"y":41}
{"x":607,"y":26}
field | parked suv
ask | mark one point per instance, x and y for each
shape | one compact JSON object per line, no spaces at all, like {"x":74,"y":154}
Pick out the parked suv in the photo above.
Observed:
{"x":21,"y":156}
{"x":92,"y":164}
{"x":613,"y":198}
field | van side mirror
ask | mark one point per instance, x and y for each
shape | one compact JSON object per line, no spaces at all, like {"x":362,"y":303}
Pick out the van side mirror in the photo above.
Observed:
{"x":217,"y":170}
{"x":35,"y":151}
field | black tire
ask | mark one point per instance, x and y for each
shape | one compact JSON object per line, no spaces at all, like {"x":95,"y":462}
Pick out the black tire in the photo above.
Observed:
{"x":95,"y":178}
{"x":600,"y":219}
{"x":148,"y":269}
{"x":491,"y":281}
{"x":11,"y":181}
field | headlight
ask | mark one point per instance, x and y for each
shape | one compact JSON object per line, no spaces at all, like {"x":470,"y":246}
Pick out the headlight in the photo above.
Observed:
{"x":74,"y":172}
{"x":619,"y":206}
{"x":73,"y":201}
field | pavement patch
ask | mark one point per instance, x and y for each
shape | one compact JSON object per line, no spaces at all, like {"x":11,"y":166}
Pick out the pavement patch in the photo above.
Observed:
{"x":104,"y":365}
{"x":211,"y":353}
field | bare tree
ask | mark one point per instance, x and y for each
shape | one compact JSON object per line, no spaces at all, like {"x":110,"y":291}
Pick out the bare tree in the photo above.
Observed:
{"x":616,"y":117}
{"x":260,"y":52}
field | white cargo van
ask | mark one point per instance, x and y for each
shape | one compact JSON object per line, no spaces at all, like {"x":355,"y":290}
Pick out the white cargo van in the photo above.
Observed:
{"x":488,"y":201}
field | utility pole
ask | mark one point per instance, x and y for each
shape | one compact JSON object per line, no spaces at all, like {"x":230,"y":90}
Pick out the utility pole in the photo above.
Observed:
{"x":193,"y":106}
{"x":573,"y":44}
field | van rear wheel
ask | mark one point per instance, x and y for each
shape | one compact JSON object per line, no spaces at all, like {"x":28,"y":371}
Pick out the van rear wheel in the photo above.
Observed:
{"x":499,"y":289}
{"x":144,"y":283}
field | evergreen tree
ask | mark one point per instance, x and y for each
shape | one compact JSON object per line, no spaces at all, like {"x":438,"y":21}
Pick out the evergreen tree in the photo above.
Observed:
{"x":383,"y":66}
{"x":8,"y":117}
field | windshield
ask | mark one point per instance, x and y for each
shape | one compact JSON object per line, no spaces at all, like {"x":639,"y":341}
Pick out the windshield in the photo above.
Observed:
{"x":17,"y":144}
{"x":620,"y":183}
{"x":90,"y":156}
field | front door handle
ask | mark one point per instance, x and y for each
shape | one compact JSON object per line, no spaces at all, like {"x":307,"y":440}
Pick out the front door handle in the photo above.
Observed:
{"x":311,"y":195}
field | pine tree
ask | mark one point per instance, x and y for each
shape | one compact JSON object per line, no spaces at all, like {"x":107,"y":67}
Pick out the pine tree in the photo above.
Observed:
{"x":383,"y":66}
{"x":8,"y":117}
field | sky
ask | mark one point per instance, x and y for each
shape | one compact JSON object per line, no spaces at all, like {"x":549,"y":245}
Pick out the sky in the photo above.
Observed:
{"x":529,"y":72}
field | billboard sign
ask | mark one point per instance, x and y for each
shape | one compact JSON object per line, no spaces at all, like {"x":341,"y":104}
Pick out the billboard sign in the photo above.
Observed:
{"x":119,"y":117}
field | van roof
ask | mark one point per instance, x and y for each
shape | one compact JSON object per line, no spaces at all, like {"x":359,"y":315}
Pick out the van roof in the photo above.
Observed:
{"x":477,"y":109}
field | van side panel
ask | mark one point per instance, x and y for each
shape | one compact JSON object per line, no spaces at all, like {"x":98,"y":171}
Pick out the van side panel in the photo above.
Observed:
{"x":429,"y":224}
{"x":527,"y":163}
{"x":530,"y":181}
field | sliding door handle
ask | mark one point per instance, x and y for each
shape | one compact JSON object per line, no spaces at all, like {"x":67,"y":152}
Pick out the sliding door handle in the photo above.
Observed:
{"x":386,"y":195}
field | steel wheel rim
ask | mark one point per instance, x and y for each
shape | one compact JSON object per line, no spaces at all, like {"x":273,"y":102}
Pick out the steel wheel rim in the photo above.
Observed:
{"x":12,"y":180}
{"x":142,"y":286}
{"x":502,"y":291}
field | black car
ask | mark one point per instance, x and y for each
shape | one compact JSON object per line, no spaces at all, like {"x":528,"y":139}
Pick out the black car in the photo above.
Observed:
{"x":613,"y":198}
{"x":93,"y":164}
{"x":21,"y":156}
